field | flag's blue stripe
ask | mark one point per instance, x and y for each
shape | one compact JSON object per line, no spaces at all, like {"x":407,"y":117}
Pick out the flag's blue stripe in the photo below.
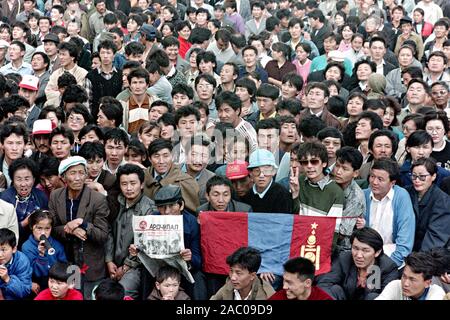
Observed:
{"x":271,"y":233}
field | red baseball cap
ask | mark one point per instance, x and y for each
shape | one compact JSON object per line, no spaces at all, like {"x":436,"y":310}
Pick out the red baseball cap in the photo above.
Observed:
{"x":236,"y":170}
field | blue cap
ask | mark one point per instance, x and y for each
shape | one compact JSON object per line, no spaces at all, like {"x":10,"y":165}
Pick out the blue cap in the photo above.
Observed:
{"x":149,"y":31}
{"x":261,"y":157}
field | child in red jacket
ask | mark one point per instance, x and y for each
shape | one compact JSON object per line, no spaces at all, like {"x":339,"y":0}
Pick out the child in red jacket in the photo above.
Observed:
{"x":58,"y":286}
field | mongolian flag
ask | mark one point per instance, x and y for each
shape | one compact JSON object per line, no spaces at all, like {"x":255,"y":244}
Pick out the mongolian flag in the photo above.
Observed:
{"x":278,"y":237}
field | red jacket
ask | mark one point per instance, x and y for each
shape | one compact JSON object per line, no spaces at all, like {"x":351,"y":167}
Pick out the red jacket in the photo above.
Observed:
{"x":72,"y":294}
{"x":184,"y":47}
{"x":427,"y":29}
{"x":316,"y":294}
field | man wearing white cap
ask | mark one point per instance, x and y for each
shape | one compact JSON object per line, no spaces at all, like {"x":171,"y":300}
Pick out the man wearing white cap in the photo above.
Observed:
{"x":28,"y":88}
{"x":80,"y":224}
{"x":41,"y":138}
{"x":266,"y":195}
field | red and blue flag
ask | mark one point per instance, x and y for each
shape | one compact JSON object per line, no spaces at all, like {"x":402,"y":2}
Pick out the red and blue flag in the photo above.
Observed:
{"x":279,"y":237}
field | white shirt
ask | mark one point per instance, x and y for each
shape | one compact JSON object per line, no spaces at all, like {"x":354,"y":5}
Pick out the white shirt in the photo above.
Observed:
{"x":382,"y":219}
{"x":380,"y":68}
{"x":237,"y":295}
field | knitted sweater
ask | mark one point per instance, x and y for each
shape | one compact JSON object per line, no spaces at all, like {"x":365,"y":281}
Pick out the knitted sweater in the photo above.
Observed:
{"x":276,"y":200}
{"x":313,"y":200}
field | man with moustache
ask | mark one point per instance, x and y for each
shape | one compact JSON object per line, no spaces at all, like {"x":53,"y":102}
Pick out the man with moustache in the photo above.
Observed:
{"x":41,"y":138}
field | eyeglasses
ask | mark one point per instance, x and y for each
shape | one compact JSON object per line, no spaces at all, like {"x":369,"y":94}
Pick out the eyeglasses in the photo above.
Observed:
{"x":73,"y":119}
{"x":408,"y":129}
{"x":314,"y":162}
{"x":438,"y":129}
{"x":204,"y":85}
{"x":265,"y":171}
{"x":439,"y":93}
{"x":421,"y":177}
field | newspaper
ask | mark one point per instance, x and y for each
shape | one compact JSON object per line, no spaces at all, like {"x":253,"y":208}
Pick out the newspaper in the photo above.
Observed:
{"x":160,"y":240}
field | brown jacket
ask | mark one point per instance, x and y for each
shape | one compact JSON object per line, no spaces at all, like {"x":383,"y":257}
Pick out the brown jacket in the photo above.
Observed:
{"x":93,"y":209}
{"x":156,"y":295}
{"x":189,"y":187}
{"x":329,"y":119}
{"x":261,"y":290}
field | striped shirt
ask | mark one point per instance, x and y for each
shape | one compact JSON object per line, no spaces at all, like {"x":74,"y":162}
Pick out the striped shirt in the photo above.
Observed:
{"x":246,"y":130}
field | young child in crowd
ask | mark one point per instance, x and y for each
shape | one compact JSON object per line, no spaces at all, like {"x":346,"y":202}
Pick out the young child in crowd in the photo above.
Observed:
{"x":59,"y":287}
{"x":167,"y":286}
{"x":42,"y":258}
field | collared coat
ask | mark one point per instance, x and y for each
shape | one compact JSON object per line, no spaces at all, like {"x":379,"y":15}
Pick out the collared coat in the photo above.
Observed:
{"x":189,"y":187}
{"x":93,"y":209}
{"x":261,"y":290}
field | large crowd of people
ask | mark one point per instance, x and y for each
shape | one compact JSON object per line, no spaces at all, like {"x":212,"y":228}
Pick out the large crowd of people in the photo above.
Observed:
{"x":111,"y":109}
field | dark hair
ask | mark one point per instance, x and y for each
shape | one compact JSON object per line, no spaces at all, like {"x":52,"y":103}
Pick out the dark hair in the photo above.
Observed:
{"x":207,"y":77}
{"x":166,"y":272}
{"x":425,"y":85}
{"x":388,"y":165}
{"x":112,"y":109}
{"x":130,"y":169}
{"x":158,"y":145}
{"x":283,"y":48}
{"x":421,"y":262}
{"x":134,"y":48}
{"x":418,"y":138}
{"x":310,"y":126}
{"x":336,"y":105}
{"x":318,"y":85}
{"x":91,"y":127}
{"x":74,"y":93}
{"x":293,"y":79}
{"x":218,"y":181}
{"x":330,"y":132}
{"x":437,"y":115}
{"x":66,"y":133}
{"x":313,"y":149}
{"x":229,"y":98}
{"x":183,"y":88}
{"x":117,"y":135}
{"x":384,"y":133}
{"x":82,"y":110}
{"x":140,"y":73}
{"x":185,"y":112}
{"x":293,"y":106}
{"x":39,"y":215}
{"x":167,"y":119}
{"x":66,"y":79}
{"x":246,"y":257}
{"x":268,"y":91}
{"x":247,"y":84}
{"x":24,"y":163}
{"x":71,"y":48}
{"x":57,"y":110}
{"x":375,"y":121}
{"x":48,"y":166}
{"x":91,"y":150}
{"x":107,"y":45}
{"x":304,"y":268}
{"x":109,"y":289}
{"x":206,"y":56}
{"x":368,"y":236}
{"x":60,"y":271}
{"x":8,"y":237}
{"x":8,"y":130}
{"x":44,"y":57}
{"x":428,"y":163}
{"x":371,"y":64}
{"x":271,"y":23}
{"x":350,"y":155}
{"x":199,"y":35}
{"x":415,"y":72}
{"x":270,"y":123}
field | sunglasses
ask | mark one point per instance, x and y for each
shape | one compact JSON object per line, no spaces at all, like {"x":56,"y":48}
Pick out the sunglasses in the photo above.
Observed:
{"x":314,"y":162}
{"x":421,"y":177}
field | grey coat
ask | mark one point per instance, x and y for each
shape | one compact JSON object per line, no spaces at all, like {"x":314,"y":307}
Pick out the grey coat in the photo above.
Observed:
{"x":120,"y":234}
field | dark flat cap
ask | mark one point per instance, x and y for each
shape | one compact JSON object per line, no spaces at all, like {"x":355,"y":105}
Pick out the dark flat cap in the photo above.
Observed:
{"x":51,"y":37}
{"x":405,"y":19}
{"x":169,"y":194}
{"x":149,"y":31}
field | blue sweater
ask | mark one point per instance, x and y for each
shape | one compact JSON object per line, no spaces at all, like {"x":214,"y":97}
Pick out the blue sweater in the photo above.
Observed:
{"x":404,"y":224}
{"x":41,"y":265}
{"x":19,"y":271}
